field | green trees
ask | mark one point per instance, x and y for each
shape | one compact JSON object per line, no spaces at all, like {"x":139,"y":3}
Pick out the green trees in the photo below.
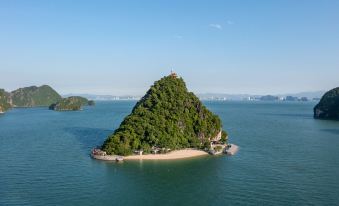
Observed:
{"x":72,"y":103}
{"x":168,"y":116}
{"x":218,"y":148}
{"x":34,"y":96}
{"x":224,"y":137}
{"x":4,"y":101}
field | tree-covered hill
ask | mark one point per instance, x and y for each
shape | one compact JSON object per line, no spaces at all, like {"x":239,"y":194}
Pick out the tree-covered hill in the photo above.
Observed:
{"x":34,"y":96}
{"x":328,"y":107}
{"x":168,"y":116}
{"x":72,"y":103}
{"x":4,"y":101}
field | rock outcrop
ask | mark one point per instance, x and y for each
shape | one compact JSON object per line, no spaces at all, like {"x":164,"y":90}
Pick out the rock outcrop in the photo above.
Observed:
{"x":328,"y":107}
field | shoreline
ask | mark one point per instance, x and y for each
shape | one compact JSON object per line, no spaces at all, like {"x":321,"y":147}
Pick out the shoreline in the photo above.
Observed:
{"x":177,"y":154}
{"x":173,"y":155}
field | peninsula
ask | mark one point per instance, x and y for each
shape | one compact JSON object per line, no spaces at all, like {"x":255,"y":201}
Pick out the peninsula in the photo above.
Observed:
{"x":169,"y":122}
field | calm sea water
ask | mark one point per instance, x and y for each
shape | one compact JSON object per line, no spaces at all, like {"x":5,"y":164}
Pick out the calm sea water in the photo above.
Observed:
{"x":286,"y":158}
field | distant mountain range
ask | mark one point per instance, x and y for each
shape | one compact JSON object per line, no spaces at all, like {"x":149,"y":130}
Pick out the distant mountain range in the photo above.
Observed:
{"x":104,"y":97}
{"x":204,"y":96}
{"x":220,"y":96}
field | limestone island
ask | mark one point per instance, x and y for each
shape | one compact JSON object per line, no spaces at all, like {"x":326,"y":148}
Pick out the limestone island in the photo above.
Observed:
{"x":72,"y":103}
{"x":32,"y":96}
{"x":328,"y":107}
{"x":4,"y":101}
{"x":169,"y":122}
{"x":42,"y":96}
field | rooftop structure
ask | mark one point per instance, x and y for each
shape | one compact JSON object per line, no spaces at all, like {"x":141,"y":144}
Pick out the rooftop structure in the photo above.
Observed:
{"x":173,"y":74}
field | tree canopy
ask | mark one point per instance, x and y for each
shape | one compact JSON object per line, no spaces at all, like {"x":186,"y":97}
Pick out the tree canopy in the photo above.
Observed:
{"x":34,"y":96}
{"x":71,"y":104}
{"x":168,"y":116}
{"x":4,"y":101}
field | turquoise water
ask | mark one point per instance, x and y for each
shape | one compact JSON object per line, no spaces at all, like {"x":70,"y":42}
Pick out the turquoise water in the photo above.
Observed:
{"x":286,"y":158}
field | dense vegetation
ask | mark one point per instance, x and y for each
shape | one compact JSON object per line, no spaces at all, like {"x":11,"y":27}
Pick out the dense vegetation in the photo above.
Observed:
{"x":328,"y":107}
{"x":4,"y":101}
{"x":71,"y":104}
{"x":168,"y":116}
{"x":34,"y":96}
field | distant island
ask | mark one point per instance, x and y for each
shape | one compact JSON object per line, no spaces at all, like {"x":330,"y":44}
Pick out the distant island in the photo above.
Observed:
{"x":301,"y":97}
{"x":71,"y":104}
{"x":168,"y":119}
{"x":4,"y":101}
{"x":33,"y":96}
{"x":328,"y":107}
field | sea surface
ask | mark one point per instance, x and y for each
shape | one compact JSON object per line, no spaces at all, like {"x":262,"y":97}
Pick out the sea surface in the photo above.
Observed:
{"x":286,"y":158}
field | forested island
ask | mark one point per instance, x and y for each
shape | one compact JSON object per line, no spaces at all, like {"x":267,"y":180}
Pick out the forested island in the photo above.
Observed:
{"x":167,"y":118}
{"x":4,"y":101}
{"x":328,"y":107}
{"x":43,"y":96}
{"x":34,"y":96}
{"x":72,"y":103}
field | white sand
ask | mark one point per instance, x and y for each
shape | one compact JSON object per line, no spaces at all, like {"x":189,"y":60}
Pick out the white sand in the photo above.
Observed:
{"x":177,"y":154}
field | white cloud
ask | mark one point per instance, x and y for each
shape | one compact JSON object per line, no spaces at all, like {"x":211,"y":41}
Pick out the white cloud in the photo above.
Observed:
{"x":216,"y":26}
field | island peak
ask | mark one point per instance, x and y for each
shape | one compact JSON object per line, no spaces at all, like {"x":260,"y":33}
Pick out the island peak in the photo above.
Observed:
{"x":168,"y":117}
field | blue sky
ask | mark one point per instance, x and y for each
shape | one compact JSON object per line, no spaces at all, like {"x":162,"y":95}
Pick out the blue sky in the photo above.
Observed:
{"x":122,"y":47}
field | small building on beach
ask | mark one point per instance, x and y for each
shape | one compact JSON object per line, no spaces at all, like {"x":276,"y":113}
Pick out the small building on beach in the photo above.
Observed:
{"x":138,"y":152}
{"x":98,"y":152}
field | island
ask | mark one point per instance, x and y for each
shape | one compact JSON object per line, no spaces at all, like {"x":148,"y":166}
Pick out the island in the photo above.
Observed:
{"x":72,"y":103}
{"x":42,"y":96}
{"x":34,"y":96}
{"x":328,"y":107}
{"x":169,"y":122}
{"x":4,"y":101}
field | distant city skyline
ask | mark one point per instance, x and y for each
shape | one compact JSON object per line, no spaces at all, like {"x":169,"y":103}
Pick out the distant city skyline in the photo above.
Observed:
{"x":121,"y":48}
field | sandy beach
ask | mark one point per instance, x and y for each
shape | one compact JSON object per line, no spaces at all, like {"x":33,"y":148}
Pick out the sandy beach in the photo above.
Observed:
{"x":177,"y":154}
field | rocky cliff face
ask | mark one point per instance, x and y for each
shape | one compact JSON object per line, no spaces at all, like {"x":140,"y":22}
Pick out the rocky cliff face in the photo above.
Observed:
{"x":34,"y":96}
{"x":328,"y":107}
